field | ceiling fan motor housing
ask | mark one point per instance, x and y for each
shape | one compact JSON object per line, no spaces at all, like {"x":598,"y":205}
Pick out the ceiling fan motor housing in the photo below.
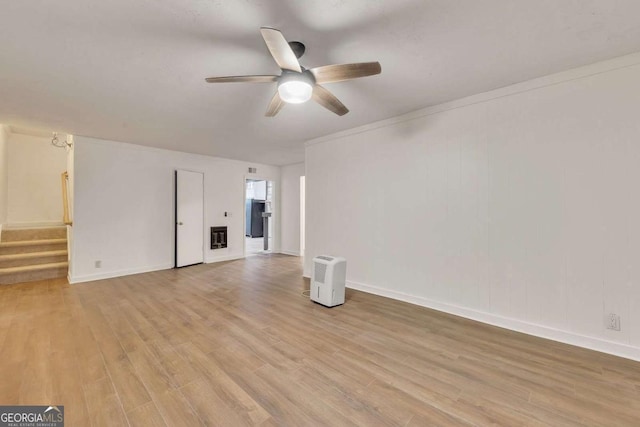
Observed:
{"x":298,"y":48}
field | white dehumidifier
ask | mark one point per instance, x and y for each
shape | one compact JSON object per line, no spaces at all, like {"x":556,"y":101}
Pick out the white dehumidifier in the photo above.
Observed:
{"x":327,"y":280}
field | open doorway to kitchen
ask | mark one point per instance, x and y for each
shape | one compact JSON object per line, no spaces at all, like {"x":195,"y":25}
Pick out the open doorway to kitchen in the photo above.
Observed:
{"x":258,"y":216}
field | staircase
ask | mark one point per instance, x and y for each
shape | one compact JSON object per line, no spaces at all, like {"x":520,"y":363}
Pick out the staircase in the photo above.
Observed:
{"x":33,"y":254}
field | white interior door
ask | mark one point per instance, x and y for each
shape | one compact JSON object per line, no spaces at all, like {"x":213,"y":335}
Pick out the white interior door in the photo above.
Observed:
{"x":189,"y":218}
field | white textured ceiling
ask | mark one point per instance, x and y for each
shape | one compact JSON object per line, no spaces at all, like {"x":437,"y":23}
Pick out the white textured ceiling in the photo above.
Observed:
{"x":133,"y":70}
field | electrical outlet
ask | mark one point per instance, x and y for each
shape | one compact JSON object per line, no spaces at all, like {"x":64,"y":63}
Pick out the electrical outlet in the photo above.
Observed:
{"x":613,"y":322}
{"x":98,"y":264}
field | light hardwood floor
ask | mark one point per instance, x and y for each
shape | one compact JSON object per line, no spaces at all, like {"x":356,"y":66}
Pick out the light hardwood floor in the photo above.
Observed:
{"x":236,"y":344}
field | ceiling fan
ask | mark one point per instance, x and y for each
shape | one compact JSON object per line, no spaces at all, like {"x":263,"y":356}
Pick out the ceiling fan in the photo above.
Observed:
{"x":297,"y":84}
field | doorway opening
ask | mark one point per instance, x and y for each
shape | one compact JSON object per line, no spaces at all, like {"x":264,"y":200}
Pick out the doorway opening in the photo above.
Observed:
{"x":36,"y":196}
{"x":258,"y":216}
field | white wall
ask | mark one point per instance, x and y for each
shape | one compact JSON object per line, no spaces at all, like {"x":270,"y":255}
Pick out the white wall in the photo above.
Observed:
{"x":519,"y":207}
{"x":290,"y":206}
{"x":4,"y":170}
{"x":124,"y":209}
{"x":34,"y":188}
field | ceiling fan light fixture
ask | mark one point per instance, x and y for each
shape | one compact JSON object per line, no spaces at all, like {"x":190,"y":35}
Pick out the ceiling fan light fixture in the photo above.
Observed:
{"x":295,"y":91}
{"x":295,"y":88}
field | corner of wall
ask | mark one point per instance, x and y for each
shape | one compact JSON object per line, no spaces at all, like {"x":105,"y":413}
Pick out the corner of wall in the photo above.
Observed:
{"x":5,"y":131}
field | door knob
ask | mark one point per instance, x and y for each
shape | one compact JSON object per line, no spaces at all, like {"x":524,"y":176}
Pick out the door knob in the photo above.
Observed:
{"x":180,"y":223}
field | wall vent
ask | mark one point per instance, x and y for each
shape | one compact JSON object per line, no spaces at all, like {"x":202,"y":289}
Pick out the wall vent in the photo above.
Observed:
{"x":253,"y":170}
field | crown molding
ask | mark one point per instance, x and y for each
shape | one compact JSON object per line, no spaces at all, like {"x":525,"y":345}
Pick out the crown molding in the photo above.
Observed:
{"x":529,"y":85}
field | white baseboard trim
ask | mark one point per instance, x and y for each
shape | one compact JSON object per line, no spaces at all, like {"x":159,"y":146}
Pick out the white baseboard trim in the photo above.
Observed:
{"x":223,"y":258}
{"x":35,"y":224}
{"x":541,"y":331}
{"x":292,"y":253}
{"x":117,"y":273}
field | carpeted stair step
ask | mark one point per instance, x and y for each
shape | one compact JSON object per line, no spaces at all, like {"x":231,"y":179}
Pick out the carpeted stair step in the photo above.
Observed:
{"x":44,"y":245}
{"x":30,"y":273}
{"x":41,"y":233}
{"x":32,"y":258}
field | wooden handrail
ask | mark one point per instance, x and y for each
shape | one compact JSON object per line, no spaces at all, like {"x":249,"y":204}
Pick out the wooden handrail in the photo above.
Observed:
{"x":65,"y":199}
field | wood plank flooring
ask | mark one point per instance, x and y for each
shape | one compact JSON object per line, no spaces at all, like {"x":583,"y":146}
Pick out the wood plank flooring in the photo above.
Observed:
{"x":235,"y":344}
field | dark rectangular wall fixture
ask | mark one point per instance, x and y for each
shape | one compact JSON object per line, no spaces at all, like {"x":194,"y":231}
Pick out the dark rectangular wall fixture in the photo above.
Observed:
{"x":218,"y":237}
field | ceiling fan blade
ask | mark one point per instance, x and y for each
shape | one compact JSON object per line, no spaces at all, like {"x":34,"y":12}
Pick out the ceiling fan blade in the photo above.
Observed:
{"x":275,"y":105}
{"x":341,"y":72}
{"x":239,"y":79}
{"x":280,"y":49}
{"x":328,"y":100}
